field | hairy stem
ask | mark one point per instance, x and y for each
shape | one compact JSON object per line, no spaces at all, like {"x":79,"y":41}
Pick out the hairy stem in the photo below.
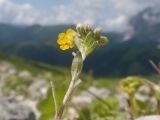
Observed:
{"x":66,"y":98}
{"x":76,"y":68}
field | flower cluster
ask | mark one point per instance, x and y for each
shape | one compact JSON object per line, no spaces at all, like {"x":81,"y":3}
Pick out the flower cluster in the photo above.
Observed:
{"x":84,"y":38}
{"x":66,"y":40}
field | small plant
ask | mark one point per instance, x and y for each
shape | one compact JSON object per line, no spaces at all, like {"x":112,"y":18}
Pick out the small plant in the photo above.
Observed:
{"x":86,"y":40}
{"x":130,"y":85}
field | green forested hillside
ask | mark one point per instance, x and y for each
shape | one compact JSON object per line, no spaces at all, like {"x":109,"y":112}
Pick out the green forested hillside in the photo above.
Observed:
{"x":118,"y":58}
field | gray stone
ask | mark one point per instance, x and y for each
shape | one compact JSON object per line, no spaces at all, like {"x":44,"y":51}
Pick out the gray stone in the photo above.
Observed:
{"x":152,"y":117}
{"x":143,"y":94}
{"x":6,"y":66}
{"x":87,"y":96}
{"x":38,"y":89}
{"x":11,"y":109}
{"x":25,"y":74}
{"x":122,"y":98}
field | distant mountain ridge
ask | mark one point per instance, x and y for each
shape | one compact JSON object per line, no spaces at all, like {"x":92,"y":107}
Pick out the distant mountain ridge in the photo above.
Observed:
{"x":9,"y":32}
{"x":146,"y":25}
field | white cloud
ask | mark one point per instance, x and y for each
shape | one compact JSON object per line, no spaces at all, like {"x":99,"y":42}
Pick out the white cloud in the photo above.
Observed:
{"x":131,"y":7}
{"x":20,"y":14}
{"x":110,"y":14}
{"x":118,"y":22}
{"x":1,"y":2}
{"x":83,"y":11}
{"x":90,"y":4}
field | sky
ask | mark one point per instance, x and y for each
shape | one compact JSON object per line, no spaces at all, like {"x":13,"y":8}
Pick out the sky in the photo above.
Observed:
{"x":109,"y":14}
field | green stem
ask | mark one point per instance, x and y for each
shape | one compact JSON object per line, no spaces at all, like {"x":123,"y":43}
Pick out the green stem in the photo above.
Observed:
{"x":66,"y":99}
{"x":77,"y":65}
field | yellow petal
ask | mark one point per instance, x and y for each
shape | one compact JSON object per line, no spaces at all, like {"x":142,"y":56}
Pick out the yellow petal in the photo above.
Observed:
{"x":61,"y":35}
{"x":62,"y":41}
{"x":64,"y":47}
{"x":70,"y":32}
{"x":70,"y":43}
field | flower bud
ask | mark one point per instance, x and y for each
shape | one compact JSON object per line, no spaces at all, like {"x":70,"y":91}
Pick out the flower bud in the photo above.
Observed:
{"x":97,"y":32}
{"x":103,"y":40}
{"x":87,"y":29}
{"x":79,"y":28}
{"x":84,"y":30}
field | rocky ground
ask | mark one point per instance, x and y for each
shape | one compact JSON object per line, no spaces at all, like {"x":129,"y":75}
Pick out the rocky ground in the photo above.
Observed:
{"x":18,"y":99}
{"x":152,"y":117}
{"x":20,"y":91}
{"x":12,"y":109}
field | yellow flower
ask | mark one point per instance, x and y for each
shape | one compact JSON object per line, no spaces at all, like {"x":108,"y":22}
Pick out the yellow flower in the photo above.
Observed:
{"x":66,"y":40}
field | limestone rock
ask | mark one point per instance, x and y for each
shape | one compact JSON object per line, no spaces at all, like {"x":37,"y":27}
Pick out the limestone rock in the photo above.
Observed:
{"x":152,"y":117}
{"x":87,"y":96}
{"x":11,"y":109}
